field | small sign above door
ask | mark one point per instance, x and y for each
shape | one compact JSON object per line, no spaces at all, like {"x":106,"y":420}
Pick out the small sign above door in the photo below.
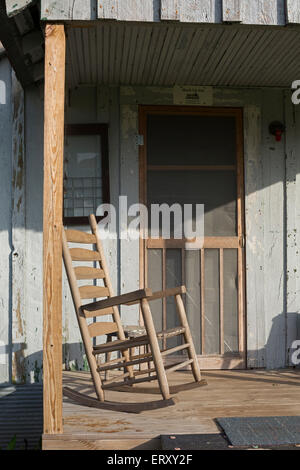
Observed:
{"x":193,"y":95}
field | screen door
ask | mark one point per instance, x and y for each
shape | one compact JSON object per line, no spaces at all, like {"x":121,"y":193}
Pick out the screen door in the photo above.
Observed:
{"x":195,"y":156}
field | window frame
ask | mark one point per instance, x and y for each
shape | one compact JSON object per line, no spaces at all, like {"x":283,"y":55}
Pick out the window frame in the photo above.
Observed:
{"x":100,"y":129}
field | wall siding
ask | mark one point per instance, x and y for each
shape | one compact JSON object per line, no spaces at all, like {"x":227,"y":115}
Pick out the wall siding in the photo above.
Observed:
{"x":5,"y":221}
{"x":34,"y":131}
{"x":87,"y":105}
{"x":21,"y":239}
{"x":254,"y":218}
{"x":231,"y":10}
{"x":14,"y":7}
{"x":265,"y":201}
{"x":274,"y":232}
{"x":263,"y":12}
{"x":170,"y":10}
{"x":272,"y":200}
{"x":129,"y":186}
{"x":292,"y":120}
{"x":18,"y":234}
{"x":264,"y":207}
{"x":293,"y":11}
{"x":68,"y":9}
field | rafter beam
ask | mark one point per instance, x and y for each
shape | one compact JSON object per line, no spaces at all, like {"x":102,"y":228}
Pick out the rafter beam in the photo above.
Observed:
{"x":8,"y":37}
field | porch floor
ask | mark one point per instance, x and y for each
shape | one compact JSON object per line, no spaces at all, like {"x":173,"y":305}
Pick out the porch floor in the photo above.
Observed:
{"x":228,"y":393}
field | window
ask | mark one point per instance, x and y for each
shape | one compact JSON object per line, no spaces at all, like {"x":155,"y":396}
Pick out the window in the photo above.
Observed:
{"x":86,"y":171}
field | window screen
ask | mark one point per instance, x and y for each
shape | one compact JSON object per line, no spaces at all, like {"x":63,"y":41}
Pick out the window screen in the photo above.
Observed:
{"x":192,"y":160}
{"x":86,"y":180}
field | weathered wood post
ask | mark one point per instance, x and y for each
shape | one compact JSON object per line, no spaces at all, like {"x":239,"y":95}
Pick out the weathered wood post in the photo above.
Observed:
{"x":55,"y":51}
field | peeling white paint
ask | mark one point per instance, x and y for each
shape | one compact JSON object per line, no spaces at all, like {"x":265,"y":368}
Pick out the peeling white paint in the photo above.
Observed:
{"x":264,"y":169}
{"x":3,"y":353}
{"x":5,"y":211}
{"x":266,"y":12}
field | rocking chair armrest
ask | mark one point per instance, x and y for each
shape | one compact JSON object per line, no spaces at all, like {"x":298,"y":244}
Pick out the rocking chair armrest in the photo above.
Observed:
{"x":164,"y":293}
{"x":123,"y":299}
{"x":168,"y":293}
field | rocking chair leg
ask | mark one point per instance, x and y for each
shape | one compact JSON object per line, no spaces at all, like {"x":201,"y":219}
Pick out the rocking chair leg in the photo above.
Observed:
{"x":107,"y":356}
{"x":157,"y":358}
{"x":188,"y":338}
{"x":147,"y":350}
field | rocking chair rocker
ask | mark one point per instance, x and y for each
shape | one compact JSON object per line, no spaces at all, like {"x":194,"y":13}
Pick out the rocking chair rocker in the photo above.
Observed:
{"x":127,"y":361}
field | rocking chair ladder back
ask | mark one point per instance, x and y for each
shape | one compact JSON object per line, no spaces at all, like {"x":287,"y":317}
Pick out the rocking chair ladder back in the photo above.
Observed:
{"x":110,"y":306}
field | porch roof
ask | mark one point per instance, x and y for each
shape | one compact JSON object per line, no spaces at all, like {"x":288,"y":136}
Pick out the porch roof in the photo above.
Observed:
{"x":254,"y":49}
{"x":168,"y":54}
{"x":22,"y":39}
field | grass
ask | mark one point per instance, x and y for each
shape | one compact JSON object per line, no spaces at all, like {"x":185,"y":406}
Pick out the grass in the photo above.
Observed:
{"x":13,"y":445}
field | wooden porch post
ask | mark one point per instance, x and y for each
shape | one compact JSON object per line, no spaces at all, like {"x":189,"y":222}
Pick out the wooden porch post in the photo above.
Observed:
{"x":55,"y":47}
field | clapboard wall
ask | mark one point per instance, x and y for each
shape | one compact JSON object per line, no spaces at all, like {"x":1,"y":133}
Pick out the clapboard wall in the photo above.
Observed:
{"x":5,"y":219}
{"x":272,"y":217}
{"x":270,"y":270}
{"x":260,"y":12}
{"x":21,"y":161}
{"x":272,"y":209}
{"x":266,"y":12}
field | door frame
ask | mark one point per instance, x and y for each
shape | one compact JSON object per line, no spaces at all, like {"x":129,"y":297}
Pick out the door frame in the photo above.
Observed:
{"x":215,"y":361}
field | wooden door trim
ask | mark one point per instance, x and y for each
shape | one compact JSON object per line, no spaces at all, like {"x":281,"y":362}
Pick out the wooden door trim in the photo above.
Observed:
{"x":236,"y":242}
{"x":241,"y":235}
{"x":191,"y":167}
{"x":209,"y":242}
{"x":189,"y":110}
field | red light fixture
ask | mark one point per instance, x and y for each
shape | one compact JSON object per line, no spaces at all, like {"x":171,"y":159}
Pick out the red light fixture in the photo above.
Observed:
{"x":276,"y":128}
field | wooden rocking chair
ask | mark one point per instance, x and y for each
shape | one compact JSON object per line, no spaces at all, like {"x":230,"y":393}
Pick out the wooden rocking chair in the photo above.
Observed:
{"x":123,"y":346}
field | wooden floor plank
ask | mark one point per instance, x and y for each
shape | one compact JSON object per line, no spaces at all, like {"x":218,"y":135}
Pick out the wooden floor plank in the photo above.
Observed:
{"x":229,"y":393}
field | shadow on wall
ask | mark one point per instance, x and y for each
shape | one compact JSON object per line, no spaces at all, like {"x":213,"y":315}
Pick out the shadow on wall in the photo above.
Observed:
{"x":274,"y":354}
{"x":259,"y":177}
{"x":21,"y":246}
{"x":24,"y":368}
{"x":28,"y":368}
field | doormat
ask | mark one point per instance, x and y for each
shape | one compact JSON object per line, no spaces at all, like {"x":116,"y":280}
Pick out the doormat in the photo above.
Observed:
{"x":262,"y":431}
{"x":193,"y":442}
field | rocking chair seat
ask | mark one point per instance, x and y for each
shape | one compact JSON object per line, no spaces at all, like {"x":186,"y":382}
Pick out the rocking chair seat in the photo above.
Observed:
{"x":134,"y":341}
{"x":165,"y":334}
{"x":134,"y":331}
{"x":130,"y":332}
